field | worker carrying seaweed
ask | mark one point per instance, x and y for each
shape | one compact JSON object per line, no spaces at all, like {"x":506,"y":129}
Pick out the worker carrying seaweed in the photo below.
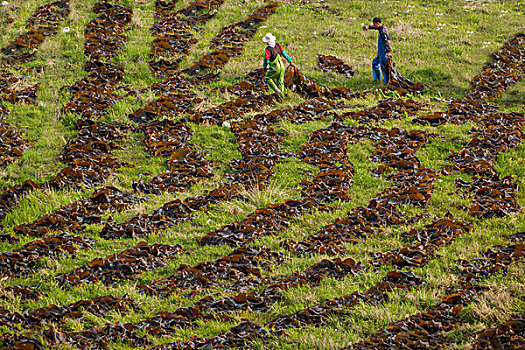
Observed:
{"x":274,"y":65}
{"x":384,"y":50}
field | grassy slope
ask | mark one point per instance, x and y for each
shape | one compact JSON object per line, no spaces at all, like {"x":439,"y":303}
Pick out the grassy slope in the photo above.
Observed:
{"x":440,"y":43}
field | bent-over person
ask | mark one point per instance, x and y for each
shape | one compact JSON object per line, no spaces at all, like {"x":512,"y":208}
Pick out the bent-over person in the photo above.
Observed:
{"x":274,"y":65}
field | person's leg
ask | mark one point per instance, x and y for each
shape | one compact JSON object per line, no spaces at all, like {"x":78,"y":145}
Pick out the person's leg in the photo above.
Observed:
{"x":280,"y":80}
{"x":271,"y":82}
{"x":383,"y":68}
{"x":376,"y":68}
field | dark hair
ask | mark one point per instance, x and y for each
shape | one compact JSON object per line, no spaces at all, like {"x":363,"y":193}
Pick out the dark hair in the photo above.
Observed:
{"x":376,"y":20}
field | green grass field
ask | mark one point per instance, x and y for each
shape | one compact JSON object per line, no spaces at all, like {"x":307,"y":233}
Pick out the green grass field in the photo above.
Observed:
{"x":442,"y":44}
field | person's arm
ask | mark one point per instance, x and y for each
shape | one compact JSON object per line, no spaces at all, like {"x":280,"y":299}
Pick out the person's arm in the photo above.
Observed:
{"x":266,"y":58}
{"x":285,"y":55}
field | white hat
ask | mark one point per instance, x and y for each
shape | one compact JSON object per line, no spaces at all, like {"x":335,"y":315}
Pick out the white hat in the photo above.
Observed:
{"x":269,"y":38}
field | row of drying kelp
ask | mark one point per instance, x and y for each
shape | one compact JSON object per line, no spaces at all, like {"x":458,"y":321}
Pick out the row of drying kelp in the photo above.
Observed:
{"x":237,"y":266}
{"x":300,"y":83}
{"x":497,"y":133}
{"x":325,"y":149}
{"x":170,"y":105}
{"x":263,"y":300}
{"x":186,"y":165}
{"x":41,"y":317}
{"x":411,"y":183}
{"x":173,"y":32}
{"x":75,"y":216}
{"x":24,"y":293}
{"x":334,"y":64}
{"x":429,"y":329}
{"x":358,"y":224}
{"x":433,"y":236}
{"x":229,"y":43}
{"x":170,"y":214}
{"x":205,"y":309}
{"x":505,"y":70}
{"x":239,"y":269}
{"x":386,"y":109}
{"x":104,"y":39}
{"x":241,"y":335}
{"x":97,"y":337}
{"x":320,"y":315}
{"x":175,"y":85}
{"x":313,"y":109}
{"x":253,"y":84}
{"x":494,"y":196}
{"x":12,"y":143}
{"x":233,"y":109}
{"x":90,"y":152}
{"x":263,"y":222}
{"x":95,"y":94}
{"x":259,"y":145}
{"x":23,"y":261}
{"x":116,"y":267}
{"x":507,"y":335}
{"x":43,"y":23}
{"x":89,"y":156}
{"x":104,"y":35}
{"x":70,"y":218}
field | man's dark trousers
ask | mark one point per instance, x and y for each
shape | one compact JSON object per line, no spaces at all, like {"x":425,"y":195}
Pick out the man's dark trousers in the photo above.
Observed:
{"x":379,"y":62}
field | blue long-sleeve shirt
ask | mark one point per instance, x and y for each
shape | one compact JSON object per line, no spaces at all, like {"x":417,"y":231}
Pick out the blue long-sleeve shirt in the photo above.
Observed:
{"x":383,"y":36}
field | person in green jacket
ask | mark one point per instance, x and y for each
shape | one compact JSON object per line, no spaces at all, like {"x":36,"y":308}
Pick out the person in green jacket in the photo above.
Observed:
{"x":273,"y":63}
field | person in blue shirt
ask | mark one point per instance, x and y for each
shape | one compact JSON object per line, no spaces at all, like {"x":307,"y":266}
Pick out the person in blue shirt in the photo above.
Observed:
{"x":384,"y":50}
{"x":274,"y":65}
